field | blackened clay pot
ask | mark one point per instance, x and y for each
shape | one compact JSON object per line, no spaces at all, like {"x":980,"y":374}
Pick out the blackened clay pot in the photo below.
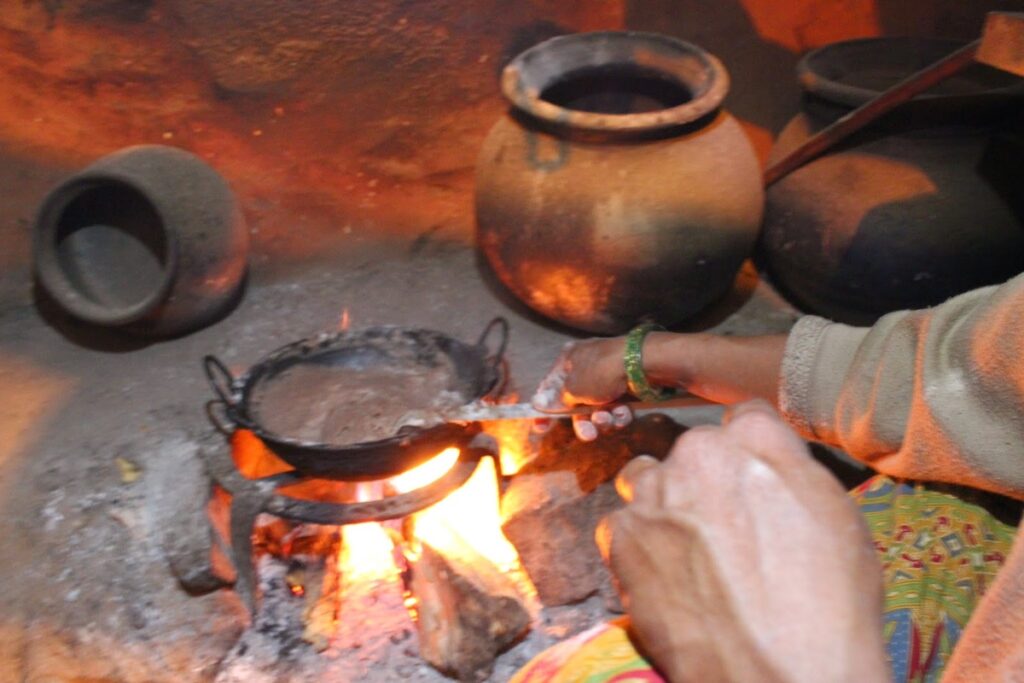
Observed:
{"x":616,"y":188}
{"x":148,"y":239}
{"x":917,"y":207}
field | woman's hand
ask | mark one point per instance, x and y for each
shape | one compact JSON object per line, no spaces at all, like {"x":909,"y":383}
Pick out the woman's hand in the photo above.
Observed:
{"x":589,"y":372}
{"x":741,"y":558}
{"x":717,"y":368}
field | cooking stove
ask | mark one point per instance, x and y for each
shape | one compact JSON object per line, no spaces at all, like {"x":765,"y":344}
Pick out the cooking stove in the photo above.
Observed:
{"x":251,"y":497}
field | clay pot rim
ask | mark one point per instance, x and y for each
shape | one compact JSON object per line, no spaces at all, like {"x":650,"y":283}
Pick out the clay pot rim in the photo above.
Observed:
{"x":51,"y":275}
{"x":813,"y":78}
{"x":522,"y":85}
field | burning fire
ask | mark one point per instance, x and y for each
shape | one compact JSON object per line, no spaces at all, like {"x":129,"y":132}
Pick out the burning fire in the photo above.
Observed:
{"x":470,"y":516}
{"x":366,"y":549}
{"x":512,"y":436}
{"x":366,"y":553}
{"x":372,"y":558}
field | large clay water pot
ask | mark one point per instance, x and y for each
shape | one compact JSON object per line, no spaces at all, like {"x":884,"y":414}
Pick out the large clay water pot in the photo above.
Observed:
{"x":616,"y":188}
{"x":917,"y":207}
{"x":149,"y":240}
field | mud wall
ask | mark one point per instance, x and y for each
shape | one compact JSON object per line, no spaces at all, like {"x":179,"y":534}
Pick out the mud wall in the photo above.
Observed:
{"x":343,"y":120}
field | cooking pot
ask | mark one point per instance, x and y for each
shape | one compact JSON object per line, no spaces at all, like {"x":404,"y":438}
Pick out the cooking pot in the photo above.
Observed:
{"x":477,"y":372}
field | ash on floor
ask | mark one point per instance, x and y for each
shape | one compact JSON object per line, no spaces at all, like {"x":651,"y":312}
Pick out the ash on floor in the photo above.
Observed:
{"x":87,"y":420}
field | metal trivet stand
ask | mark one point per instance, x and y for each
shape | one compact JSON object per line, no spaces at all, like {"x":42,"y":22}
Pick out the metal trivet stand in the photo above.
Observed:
{"x":250,"y":497}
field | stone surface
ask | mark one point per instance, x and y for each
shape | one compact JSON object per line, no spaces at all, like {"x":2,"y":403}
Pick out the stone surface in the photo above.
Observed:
{"x":188,"y":521}
{"x":552,"y":507}
{"x":468,"y":611}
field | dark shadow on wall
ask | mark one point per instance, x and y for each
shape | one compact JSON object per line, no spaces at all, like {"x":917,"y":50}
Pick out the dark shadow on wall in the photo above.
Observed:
{"x":763,"y":87}
{"x":954,"y":19}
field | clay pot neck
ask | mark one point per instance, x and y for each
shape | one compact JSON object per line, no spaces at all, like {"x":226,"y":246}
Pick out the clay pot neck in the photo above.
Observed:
{"x":853,"y":72}
{"x":103,"y":249}
{"x":615,"y":83}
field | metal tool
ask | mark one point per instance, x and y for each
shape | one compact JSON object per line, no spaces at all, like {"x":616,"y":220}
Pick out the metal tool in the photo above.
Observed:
{"x":679,"y":407}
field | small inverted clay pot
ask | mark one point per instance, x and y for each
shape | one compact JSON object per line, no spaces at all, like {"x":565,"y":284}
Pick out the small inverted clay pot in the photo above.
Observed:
{"x":148,"y":239}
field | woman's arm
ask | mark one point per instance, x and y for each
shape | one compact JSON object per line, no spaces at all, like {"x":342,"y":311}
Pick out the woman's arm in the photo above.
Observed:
{"x":936,"y":394}
{"x":721,"y":369}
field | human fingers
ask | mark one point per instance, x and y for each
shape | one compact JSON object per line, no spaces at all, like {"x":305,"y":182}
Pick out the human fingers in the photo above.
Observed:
{"x":757,"y":405}
{"x":584,"y":428}
{"x":542,"y":425}
{"x":605,"y":420}
{"x":704,"y":464}
{"x":622,"y":416}
{"x":758,"y":427}
{"x":761,"y":431}
{"x":612,"y":533}
{"x":691,"y":443}
{"x":551,"y":395}
{"x":602,"y":419}
{"x":638,"y":480}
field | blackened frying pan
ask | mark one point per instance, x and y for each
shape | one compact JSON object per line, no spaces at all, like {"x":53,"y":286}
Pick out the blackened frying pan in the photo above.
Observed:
{"x":476,"y":372}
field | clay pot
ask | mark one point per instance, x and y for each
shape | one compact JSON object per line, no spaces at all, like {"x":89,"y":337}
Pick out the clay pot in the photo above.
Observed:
{"x":148,"y":239}
{"x":914,"y":209}
{"x":616,"y":189}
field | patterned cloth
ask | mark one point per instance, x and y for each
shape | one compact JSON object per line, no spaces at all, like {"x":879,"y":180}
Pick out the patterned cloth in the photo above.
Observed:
{"x":603,"y":654}
{"x":938,"y":555}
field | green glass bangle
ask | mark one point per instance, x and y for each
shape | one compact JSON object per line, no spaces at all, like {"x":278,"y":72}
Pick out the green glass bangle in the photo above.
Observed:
{"x":636,"y":379}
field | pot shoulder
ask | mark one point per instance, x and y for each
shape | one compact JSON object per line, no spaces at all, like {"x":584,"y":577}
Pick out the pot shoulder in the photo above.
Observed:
{"x":707,"y":173}
{"x":598,"y":234}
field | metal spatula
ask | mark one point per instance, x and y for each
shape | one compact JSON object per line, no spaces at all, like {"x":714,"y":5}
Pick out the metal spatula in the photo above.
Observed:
{"x":677,"y":407}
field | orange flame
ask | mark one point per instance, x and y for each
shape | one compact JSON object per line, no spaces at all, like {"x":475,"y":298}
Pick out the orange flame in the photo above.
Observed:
{"x":470,"y":516}
{"x":345,"y":321}
{"x":512,"y":436}
{"x":366,"y":548}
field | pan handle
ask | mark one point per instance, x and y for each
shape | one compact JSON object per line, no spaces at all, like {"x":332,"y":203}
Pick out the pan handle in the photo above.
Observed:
{"x":498,"y":356}
{"x":220,"y":378}
{"x":220,"y":417}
